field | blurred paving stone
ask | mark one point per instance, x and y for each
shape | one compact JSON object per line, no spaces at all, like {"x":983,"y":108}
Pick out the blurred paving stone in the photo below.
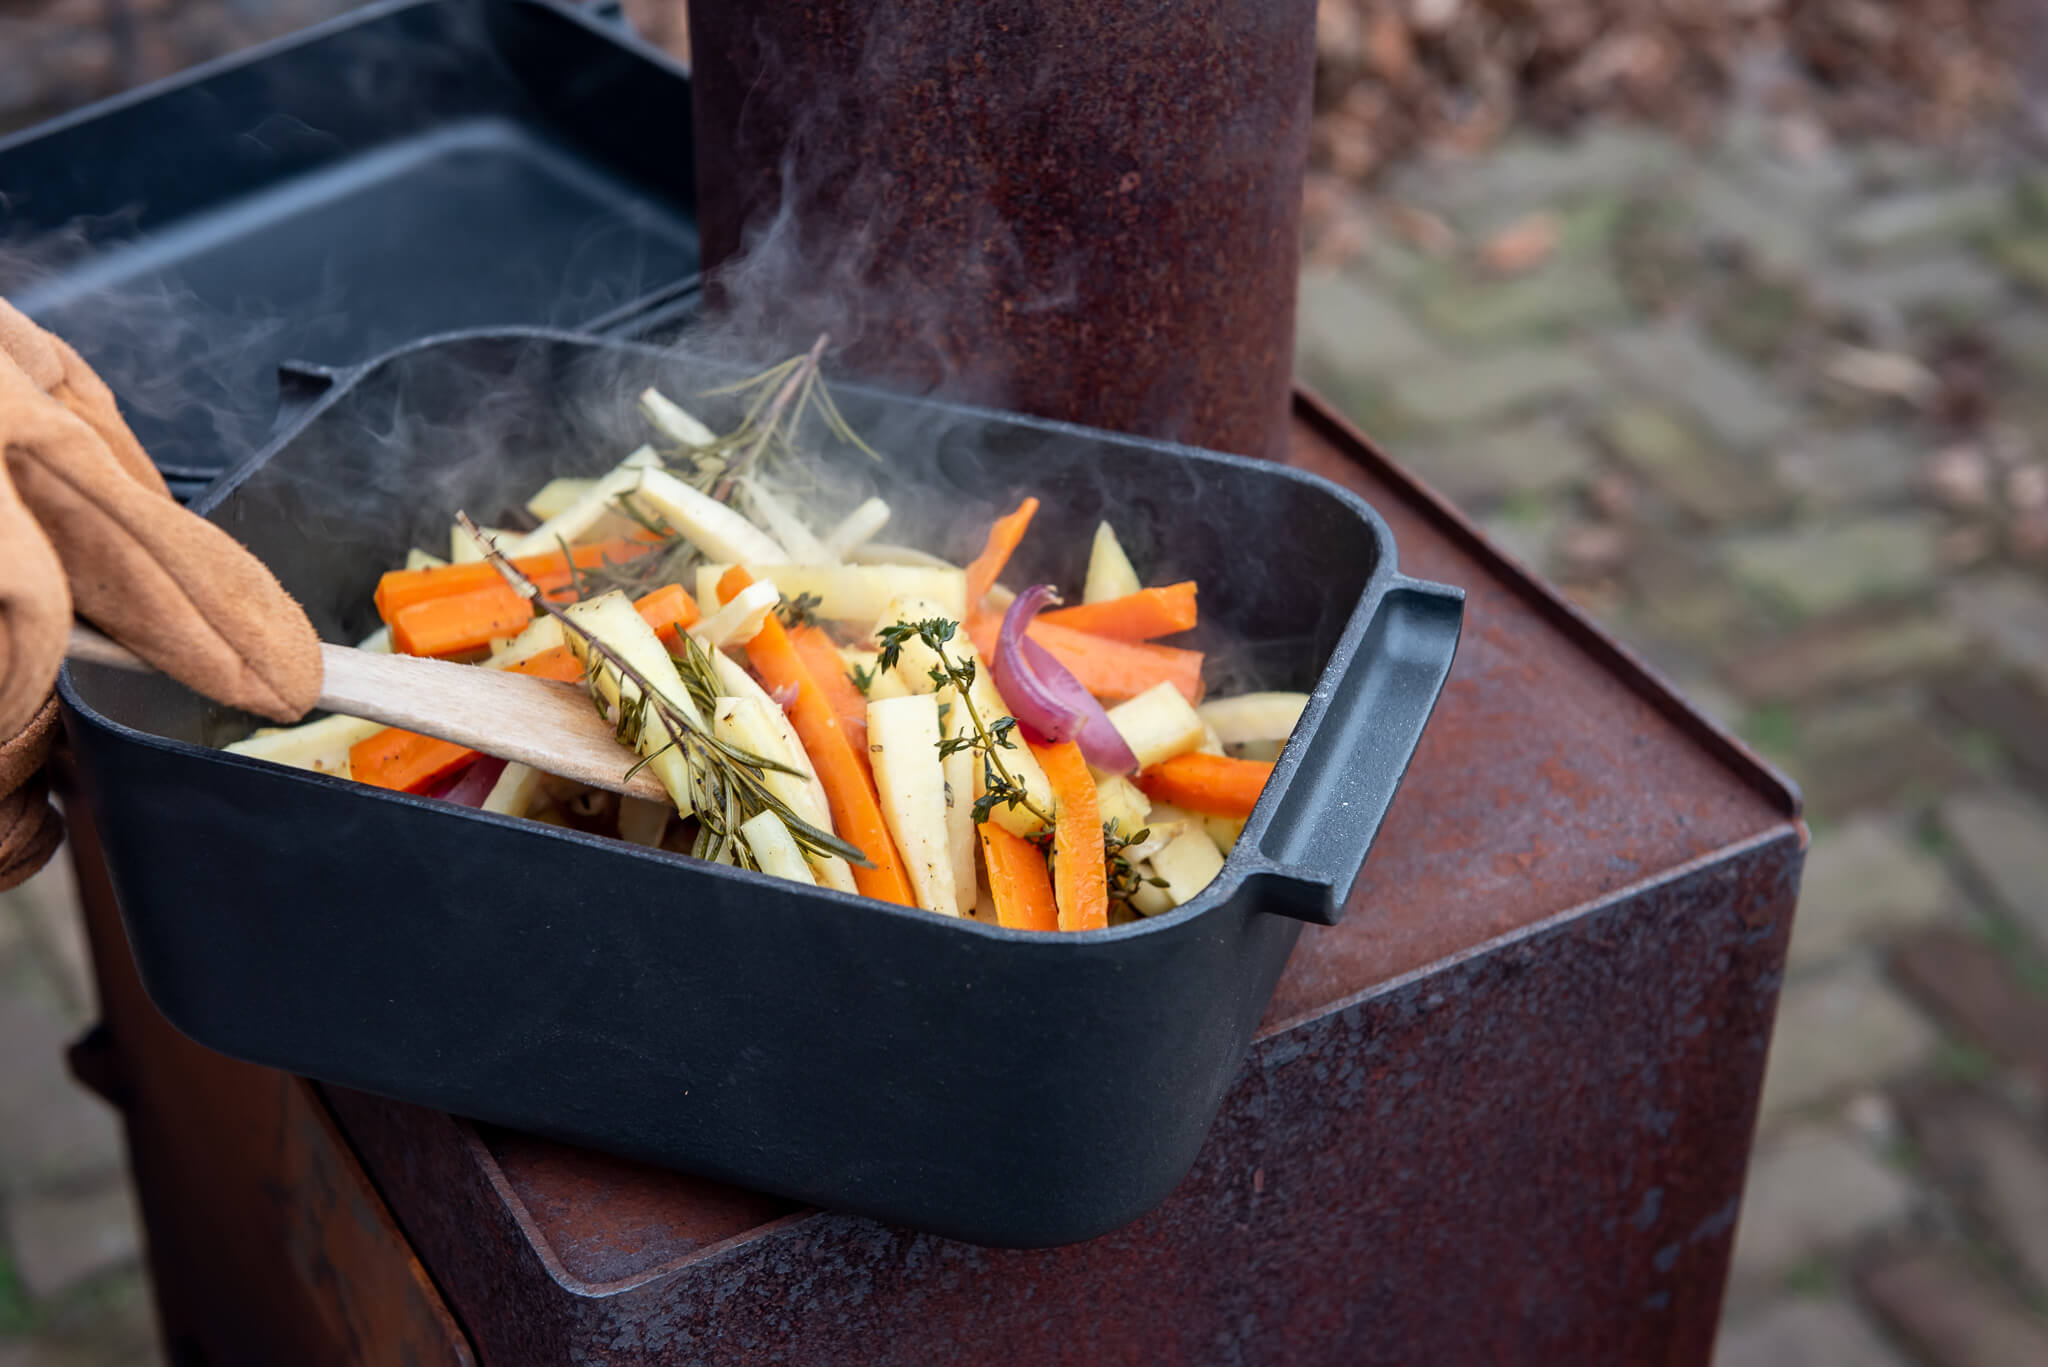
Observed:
{"x":1978,"y":1147}
{"x":51,"y":1129}
{"x":1831,"y":469}
{"x":1804,"y":1333}
{"x":49,"y":904}
{"x":1810,"y":1191}
{"x":1814,"y":571}
{"x":1478,"y":389}
{"x":1865,"y":882}
{"x":2025,"y":258}
{"x":1525,"y":537}
{"x":1839,"y":1030}
{"x":1806,"y":664}
{"x":1874,"y":754}
{"x":2021,"y":341}
{"x":1676,"y":363}
{"x":1973,"y":987}
{"x":2009,"y":709}
{"x":60,"y":1240}
{"x":1568,"y":293}
{"x":1708,"y":483}
{"x":1535,"y":456}
{"x":2003,"y":838}
{"x":1917,"y":218}
{"x":1775,"y":232}
{"x":1955,"y":289}
{"x":1524,"y":171}
{"x":1952,"y":1312}
{"x":2008,"y":611}
{"x":1351,"y":327}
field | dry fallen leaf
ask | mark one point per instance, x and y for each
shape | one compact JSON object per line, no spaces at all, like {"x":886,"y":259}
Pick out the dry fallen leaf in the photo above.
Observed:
{"x":1881,"y":372}
{"x":1523,"y":245}
{"x":1423,"y":229}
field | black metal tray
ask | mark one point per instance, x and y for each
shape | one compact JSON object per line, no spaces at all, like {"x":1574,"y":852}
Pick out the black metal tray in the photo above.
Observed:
{"x":997,"y":1086}
{"x":406,"y":170}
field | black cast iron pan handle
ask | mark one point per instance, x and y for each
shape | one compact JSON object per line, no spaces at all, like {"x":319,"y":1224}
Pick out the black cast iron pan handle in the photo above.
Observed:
{"x":1359,"y":729}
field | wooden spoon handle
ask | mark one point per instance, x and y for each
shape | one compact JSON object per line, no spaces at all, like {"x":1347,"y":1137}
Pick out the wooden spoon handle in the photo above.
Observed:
{"x":549,"y":725}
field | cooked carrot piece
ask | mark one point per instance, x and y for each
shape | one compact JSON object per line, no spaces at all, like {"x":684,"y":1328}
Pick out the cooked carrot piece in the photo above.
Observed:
{"x":460,"y":622}
{"x":1003,"y":537}
{"x":1018,"y":881}
{"x":849,"y":785}
{"x":669,"y":610}
{"x":822,"y":658}
{"x":400,"y":589}
{"x":405,"y":761}
{"x":1214,"y":785}
{"x":1115,"y":670}
{"x":731,"y":582}
{"x":556,"y":662}
{"x":1080,"y":883}
{"x":1136,"y":616}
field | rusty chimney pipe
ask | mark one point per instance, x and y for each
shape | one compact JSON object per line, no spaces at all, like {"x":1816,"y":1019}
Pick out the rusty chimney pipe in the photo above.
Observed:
{"x":1084,"y":209}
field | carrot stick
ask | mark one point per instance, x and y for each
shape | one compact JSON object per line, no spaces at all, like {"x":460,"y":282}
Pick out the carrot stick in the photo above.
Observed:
{"x":984,"y":629}
{"x":405,"y":761}
{"x":1080,"y":884}
{"x":1211,"y":784}
{"x":1018,"y":881}
{"x":1115,"y":670}
{"x":402,"y":588}
{"x":822,"y":658}
{"x":556,"y":662}
{"x":460,"y":622}
{"x":849,"y":787}
{"x":732,"y":582}
{"x":1002,"y":541}
{"x":1136,"y":616}
{"x":669,"y":609}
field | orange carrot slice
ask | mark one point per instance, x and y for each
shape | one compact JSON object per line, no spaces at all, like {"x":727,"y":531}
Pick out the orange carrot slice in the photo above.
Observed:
{"x":1080,"y":884}
{"x":556,"y":662}
{"x":1214,"y":785}
{"x":1136,"y":616}
{"x":405,"y":761}
{"x":732,"y":582}
{"x":669,"y":610}
{"x":1115,"y":670}
{"x":460,"y":622}
{"x":402,"y":588}
{"x":822,"y":658}
{"x":1018,"y":881}
{"x":1002,"y":541}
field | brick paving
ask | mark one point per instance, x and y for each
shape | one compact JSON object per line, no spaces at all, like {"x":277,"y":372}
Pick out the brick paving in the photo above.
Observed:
{"x":1773,"y":409}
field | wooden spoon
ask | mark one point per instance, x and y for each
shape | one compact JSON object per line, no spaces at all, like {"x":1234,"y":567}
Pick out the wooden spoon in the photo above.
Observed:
{"x":549,"y":725}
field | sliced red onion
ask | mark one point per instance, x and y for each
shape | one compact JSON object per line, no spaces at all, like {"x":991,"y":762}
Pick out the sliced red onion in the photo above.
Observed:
{"x":475,"y":785}
{"x":784,"y":696}
{"x":1049,"y":701}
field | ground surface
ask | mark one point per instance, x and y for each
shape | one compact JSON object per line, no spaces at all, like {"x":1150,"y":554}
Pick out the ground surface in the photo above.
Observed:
{"x":1775,"y":409}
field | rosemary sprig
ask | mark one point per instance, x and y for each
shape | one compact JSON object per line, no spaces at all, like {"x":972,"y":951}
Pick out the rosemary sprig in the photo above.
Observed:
{"x":726,"y":787}
{"x":999,"y":787}
{"x":801,"y":380}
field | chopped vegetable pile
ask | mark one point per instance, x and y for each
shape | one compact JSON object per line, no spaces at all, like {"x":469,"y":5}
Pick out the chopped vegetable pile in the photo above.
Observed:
{"x":823,"y":707}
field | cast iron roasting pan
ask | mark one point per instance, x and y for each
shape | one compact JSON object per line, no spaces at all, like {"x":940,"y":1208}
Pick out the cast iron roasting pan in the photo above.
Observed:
{"x":1002,"y":1087}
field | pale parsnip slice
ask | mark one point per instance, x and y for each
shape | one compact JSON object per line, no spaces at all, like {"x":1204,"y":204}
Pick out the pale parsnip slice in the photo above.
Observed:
{"x":575,"y":521}
{"x":1122,"y":801}
{"x":800,"y":545}
{"x":417,"y":559}
{"x":1224,"y":830}
{"x":856,"y":528}
{"x":886,"y":686}
{"x":959,"y":768}
{"x":715,"y":529}
{"x":1149,"y":900}
{"x":1162,"y":824}
{"x":557,"y":496}
{"x":643,"y":822}
{"x":672,"y":420}
{"x":377,"y":642}
{"x":463,"y":550}
{"x":851,"y":593}
{"x":1158,"y":724}
{"x":1189,"y":863}
{"x":1212,"y":744}
{"x":756,"y":725}
{"x":775,"y":850}
{"x":1109,"y":570}
{"x":320,"y":746}
{"x":881,"y":553}
{"x":913,"y":672}
{"x":513,"y":793}
{"x":542,"y":634}
{"x":739,"y":621}
{"x":612,"y":620}
{"x":734,"y":679}
{"x":1254,"y":716}
{"x":903,"y":745}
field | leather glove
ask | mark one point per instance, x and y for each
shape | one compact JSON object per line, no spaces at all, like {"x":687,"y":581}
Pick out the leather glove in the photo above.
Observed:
{"x":87,"y":525}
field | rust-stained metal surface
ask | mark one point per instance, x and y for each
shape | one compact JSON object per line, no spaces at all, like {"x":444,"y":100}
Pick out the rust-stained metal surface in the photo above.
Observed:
{"x":1502,"y":1114}
{"x":267,"y":1243}
{"x":1081,"y":210}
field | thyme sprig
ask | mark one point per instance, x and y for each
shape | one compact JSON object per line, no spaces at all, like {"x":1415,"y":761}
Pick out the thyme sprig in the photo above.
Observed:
{"x":1123,"y":876}
{"x":726,"y":783}
{"x":999,"y":787}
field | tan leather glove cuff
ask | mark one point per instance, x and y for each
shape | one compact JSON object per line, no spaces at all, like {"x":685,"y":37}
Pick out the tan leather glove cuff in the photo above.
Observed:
{"x":30,"y":829}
